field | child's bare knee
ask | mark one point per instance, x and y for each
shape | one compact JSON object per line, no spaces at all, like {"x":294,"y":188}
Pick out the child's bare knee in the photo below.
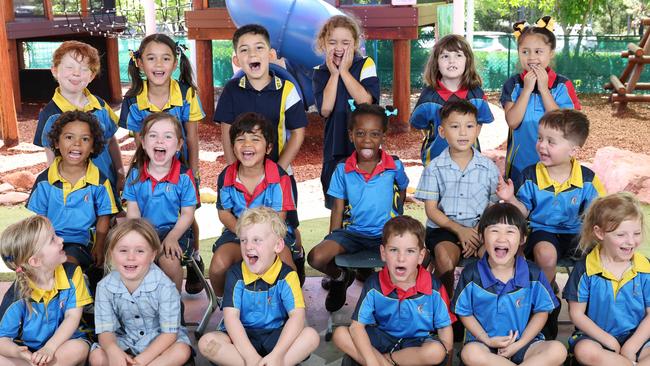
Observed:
{"x":434,"y":352}
{"x":98,"y":358}
{"x":318,"y":259}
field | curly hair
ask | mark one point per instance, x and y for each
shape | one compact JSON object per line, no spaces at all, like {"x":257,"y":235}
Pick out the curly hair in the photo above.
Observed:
{"x":73,"y":116}
{"x":346,"y":21}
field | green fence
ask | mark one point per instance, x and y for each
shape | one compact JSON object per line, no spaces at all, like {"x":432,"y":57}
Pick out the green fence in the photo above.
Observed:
{"x":496,"y":59}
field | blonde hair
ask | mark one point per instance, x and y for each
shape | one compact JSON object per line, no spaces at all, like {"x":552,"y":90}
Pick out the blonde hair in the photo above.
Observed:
{"x":452,"y":43}
{"x":608,"y":213}
{"x":140,"y":226}
{"x":262,"y":215}
{"x":348,"y":22}
{"x":18,"y":243}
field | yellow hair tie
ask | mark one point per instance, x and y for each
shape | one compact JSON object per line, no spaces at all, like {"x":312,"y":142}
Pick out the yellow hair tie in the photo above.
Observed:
{"x":546,"y":22}
{"x":134,"y":55}
{"x":519,"y":28}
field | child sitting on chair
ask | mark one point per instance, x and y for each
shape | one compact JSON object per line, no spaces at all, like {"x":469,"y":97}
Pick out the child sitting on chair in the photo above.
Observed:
{"x":263,"y":307}
{"x":369,"y":188}
{"x":402,"y":307}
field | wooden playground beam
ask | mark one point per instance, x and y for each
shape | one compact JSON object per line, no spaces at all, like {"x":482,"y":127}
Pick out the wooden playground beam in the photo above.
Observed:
{"x":634,"y":49}
{"x":204,"y":69}
{"x":113,"y":69}
{"x":402,"y":84}
{"x":15,"y":57}
{"x":630,"y":98}
{"x":617,"y":85}
{"x":8,"y":120}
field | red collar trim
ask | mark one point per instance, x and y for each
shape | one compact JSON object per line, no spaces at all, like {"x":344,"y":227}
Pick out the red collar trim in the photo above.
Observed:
{"x":173,"y":176}
{"x":551,"y":76}
{"x":422,"y":284}
{"x":386,"y":163}
{"x":271,"y":175}
{"x":445,"y":93}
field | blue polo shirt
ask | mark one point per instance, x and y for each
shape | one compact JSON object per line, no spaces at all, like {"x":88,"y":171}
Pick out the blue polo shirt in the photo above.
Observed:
{"x":274,"y":190}
{"x":501,"y":307}
{"x":411,"y":313}
{"x":521,"y":141}
{"x":264,"y":301}
{"x":336,"y":143}
{"x":616,"y":306}
{"x":160,"y":201}
{"x":98,"y":107}
{"x":33,"y":328}
{"x":279,"y":101}
{"x":426,"y":115}
{"x":557,"y":207}
{"x":370,"y":199}
{"x":73,"y":210}
{"x":183,"y":104}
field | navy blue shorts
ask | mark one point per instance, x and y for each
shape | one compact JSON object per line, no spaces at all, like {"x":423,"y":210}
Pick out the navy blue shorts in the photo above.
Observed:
{"x":566,"y":245}
{"x":186,"y":241}
{"x":578,"y":336}
{"x":437,"y":235}
{"x":228,"y":236}
{"x":79,"y":252}
{"x":292,"y":216}
{"x":264,"y":340}
{"x":353,"y":242}
{"x":386,"y":343}
{"x":518,"y":357}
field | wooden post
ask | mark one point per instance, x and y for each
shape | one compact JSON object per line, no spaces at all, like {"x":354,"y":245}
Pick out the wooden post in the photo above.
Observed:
{"x":15,"y":56}
{"x":8,"y":121}
{"x":47,"y":9}
{"x":113,"y":69}
{"x":401,"y":83}
{"x":83,"y":4}
{"x":204,"y":70}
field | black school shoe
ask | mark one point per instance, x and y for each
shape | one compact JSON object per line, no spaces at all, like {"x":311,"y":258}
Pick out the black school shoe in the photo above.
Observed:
{"x":193,"y":283}
{"x":550,"y":329}
{"x":299,"y":261}
{"x":336,"y":296}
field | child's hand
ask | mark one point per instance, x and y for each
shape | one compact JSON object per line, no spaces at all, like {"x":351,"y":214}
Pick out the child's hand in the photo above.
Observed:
{"x":505,"y":190}
{"x":117,"y":357}
{"x":613,"y":344}
{"x":542,"y":77}
{"x":171,"y":248}
{"x":271,"y":360}
{"x":329,"y":61}
{"x":346,"y":62}
{"x":630,"y":349}
{"x":502,"y":341}
{"x":530,"y":80}
{"x":24,"y":353}
{"x":468,"y":238}
{"x":42,"y":357}
{"x":509,"y":350}
{"x":252,"y":360}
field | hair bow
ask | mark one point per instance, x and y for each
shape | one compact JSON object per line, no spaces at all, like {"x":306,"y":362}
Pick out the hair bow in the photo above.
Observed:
{"x":389,"y":110}
{"x":134,"y":55}
{"x":546,"y":22}
{"x":180,"y":48}
{"x":8,"y":258}
{"x":519,"y":28}
{"x":19,"y":269}
{"x":352,"y":104}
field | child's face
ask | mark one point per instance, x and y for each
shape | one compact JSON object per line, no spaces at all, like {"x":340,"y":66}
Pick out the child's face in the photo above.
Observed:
{"x":158,"y":62}
{"x":402,"y":256}
{"x":251,"y":148}
{"x":553,"y":148}
{"x":253,"y":55}
{"x":161,"y":143}
{"x":72,"y":75}
{"x":339,"y":40}
{"x":502,"y":242}
{"x":534,"y":51}
{"x":52,"y":253}
{"x":620,"y":244}
{"x":367,"y":135}
{"x":75,"y":143}
{"x":460,"y":131}
{"x":451,"y":64}
{"x":259,"y":246}
{"x":132,"y":256}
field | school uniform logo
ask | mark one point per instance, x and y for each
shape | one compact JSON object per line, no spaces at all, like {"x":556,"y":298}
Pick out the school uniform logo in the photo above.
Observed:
{"x":86,"y":198}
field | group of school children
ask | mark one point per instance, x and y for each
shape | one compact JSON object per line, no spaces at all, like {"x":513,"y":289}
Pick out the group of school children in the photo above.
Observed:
{"x":547,"y":207}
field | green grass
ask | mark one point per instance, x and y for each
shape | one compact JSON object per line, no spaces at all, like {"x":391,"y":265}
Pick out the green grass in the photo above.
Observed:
{"x":312,"y":232}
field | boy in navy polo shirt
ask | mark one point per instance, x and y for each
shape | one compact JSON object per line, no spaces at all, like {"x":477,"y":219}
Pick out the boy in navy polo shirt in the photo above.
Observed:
{"x":401,"y":308}
{"x":503,"y":300}
{"x":554,"y":193}
{"x":263,"y":307}
{"x":252,"y":180}
{"x":369,"y":188}
{"x":72,"y":192}
{"x":456,"y":187}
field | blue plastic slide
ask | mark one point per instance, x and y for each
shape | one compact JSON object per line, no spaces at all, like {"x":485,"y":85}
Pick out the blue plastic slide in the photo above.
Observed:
{"x":292,"y":25}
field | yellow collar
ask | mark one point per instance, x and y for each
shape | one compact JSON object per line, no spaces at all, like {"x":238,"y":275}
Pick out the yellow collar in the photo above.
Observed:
{"x":60,"y":283}
{"x":175,"y":97}
{"x":91,"y":176}
{"x":269,"y":276}
{"x":276,"y":83}
{"x":544,"y":180}
{"x":66,"y":106}
{"x":595,"y":266}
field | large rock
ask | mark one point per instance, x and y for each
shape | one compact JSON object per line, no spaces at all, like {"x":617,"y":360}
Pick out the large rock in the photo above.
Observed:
{"x":23,"y":181}
{"x":6,"y":187}
{"x":13,"y":198}
{"x":623,"y":170}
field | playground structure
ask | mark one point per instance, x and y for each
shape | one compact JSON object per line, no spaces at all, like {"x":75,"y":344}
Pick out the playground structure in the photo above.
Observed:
{"x":623,"y":87}
{"x":97,"y":26}
{"x":293,"y":25}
